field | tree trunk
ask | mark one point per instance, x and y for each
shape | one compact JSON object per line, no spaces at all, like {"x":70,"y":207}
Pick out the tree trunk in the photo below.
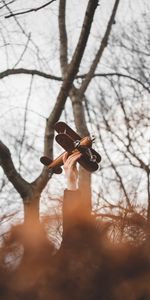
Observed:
{"x":80,"y":122}
{"x":31,"y":210}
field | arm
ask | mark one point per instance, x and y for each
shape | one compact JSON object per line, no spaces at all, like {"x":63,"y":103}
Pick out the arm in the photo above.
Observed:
{"x":76,"y":219}
{"x":72,"y":201}
{"x":71,"y":171}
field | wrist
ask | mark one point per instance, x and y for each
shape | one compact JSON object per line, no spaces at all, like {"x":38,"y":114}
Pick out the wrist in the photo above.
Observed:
{"x":72,"y":186}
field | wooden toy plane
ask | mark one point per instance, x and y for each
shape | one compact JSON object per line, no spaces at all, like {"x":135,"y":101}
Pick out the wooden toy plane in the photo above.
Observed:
{"x":72,"y":142}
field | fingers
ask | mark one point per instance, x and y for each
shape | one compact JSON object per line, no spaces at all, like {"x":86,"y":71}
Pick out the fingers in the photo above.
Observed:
{"x":65,"y":156}
{"x":72,"y":159}
{"x":70,"y":169}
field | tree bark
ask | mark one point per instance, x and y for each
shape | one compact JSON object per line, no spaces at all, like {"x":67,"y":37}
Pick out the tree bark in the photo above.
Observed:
{"x":80,"y":122}
{"x":29,"y":192}
{"x":31,"y":210}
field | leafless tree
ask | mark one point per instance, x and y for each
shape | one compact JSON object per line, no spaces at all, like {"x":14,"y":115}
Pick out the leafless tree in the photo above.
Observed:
{"x":101,"y":78}
{"x":30,"y":192}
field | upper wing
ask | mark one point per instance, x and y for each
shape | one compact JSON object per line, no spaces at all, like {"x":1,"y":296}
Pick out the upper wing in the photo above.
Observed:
{"x":62,"y":127}
{"x":65,"y":141}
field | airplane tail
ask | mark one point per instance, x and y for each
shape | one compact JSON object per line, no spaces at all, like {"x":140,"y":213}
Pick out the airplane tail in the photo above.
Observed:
{"x":46,"y":161}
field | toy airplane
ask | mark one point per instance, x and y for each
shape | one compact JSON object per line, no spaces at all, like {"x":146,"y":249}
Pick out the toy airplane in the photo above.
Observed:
{"x":72,"y":142}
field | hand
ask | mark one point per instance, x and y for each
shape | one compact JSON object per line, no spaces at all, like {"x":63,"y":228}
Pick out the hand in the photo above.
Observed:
{"x":70,"y":169}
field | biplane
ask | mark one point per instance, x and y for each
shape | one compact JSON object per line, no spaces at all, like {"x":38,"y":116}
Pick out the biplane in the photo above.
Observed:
{"x":68,"y":139}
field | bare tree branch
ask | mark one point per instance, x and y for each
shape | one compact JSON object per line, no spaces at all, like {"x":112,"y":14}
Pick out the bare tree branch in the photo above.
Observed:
{"x":148,"y":193}
{"x":9,"y":72}
{"x":17,"y":71}
{"x":23,"y":52}
{"x":120,"y":75}
{"x":21,"y":185}
{"x":12,"y":1}
{"x":63,"y":36}
{"x":134,"y":219}
{"x":29,"y":10}
{"x":103,"y":45}
{"x":24,"y":124}
{"x":21,"y":28}
{"x":5,"y":217}
{"x":117,"y":174}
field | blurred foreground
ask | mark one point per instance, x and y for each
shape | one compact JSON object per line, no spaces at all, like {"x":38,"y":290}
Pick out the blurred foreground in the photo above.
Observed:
{"x":87,"y":265}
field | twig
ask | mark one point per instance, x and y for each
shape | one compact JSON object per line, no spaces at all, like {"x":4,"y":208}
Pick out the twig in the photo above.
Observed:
{"x":29,"y":10}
